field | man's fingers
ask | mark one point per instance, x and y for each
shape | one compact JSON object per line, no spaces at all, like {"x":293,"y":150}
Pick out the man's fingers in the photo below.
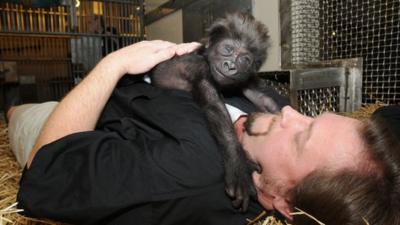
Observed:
{"x":164,"y":54}
{"x":187,"y":48}
{"x":159,"y":44}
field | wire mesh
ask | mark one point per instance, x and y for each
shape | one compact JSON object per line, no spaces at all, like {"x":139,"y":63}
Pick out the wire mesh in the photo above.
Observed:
{"x":313,"y":102}
{"x":305,"y":31}
{"x":279,"y":81}
{"x":368,"y":29}
{"x":341,"y":29}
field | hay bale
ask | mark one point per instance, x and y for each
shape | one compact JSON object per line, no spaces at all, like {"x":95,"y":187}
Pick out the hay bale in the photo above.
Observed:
{"x":10,"y":174}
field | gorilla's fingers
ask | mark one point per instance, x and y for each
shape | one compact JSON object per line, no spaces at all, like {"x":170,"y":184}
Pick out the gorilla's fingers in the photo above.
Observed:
{"x":230,"y":191}
{"x":245,"y":204}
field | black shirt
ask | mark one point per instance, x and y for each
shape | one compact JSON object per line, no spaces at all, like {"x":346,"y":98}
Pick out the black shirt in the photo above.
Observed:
{"x":151,"y":160}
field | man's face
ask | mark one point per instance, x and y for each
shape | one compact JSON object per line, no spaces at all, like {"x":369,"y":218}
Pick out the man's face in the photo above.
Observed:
{"x":290,"y":146}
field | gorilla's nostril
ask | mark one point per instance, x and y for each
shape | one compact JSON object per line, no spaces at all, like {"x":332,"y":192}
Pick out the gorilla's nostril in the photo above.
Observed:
{"x":228,"y":65}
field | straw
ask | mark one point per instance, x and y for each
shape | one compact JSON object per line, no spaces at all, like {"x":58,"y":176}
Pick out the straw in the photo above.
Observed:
{"x":10,"y":174}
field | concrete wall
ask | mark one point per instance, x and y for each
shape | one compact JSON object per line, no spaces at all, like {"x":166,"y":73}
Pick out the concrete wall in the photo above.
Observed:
{"x":153,"y":4}
{"x":267,"y":11}
{"x":168,"y":28}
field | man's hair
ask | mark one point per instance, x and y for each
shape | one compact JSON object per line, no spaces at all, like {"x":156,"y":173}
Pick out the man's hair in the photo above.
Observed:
{"x":356,"y":197}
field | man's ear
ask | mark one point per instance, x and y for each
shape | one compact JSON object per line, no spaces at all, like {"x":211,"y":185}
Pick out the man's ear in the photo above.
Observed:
{"x":283,"y":206}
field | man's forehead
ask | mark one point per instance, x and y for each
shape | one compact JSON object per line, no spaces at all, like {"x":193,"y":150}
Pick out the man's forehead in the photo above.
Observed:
{"x":340,"y":137}
{"x":330,"y":116}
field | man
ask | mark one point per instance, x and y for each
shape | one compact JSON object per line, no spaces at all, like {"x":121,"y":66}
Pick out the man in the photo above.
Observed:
{"x":145,"y":156}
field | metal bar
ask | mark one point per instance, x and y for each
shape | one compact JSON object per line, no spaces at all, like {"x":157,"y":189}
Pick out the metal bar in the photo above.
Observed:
{"x":125,"y":23}
{"x":135,"y":25}
{"x":8,"y":16}
{"x":17,"y":18}
{"x":142,"y":19}
{"x":40,"y":20}
{"x":106,"y":24}
{"x":84,"y":7}
{"x":12,"y":18}
{"x":2,"y":27}
{"x":121,"y":20}
{"x":51,"y":20}
{"x":100,"y":29}
{"x":60,"y":18}
{"x":112,"y":21}
{"x":23,"y":18}
{"x":30,"y":21}
{"x":35,"y":21}
{"x":80,"y":17}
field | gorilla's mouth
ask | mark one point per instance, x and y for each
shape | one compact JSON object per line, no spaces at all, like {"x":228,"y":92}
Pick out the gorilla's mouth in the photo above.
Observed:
{"x":216,"y":70}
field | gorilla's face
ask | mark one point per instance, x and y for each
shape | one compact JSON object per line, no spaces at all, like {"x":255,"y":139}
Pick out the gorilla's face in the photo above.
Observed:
{"x":230,"y":62}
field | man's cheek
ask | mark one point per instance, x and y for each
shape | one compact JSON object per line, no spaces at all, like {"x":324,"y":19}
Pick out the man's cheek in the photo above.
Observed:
{"x":262,"y":195}
{"x":265,"y":199}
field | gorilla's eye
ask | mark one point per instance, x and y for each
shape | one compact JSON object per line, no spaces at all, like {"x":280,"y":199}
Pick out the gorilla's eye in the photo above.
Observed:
{"x":245,"y":59}
{"x":227,"y":50}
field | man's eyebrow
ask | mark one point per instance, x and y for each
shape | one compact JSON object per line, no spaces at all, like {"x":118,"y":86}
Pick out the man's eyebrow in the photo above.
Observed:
{"x":263,"y":133}
{"x":310,"y":131}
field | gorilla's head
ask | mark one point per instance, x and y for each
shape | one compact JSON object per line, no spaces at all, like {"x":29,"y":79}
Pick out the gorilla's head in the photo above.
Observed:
{"x":236,"y":47}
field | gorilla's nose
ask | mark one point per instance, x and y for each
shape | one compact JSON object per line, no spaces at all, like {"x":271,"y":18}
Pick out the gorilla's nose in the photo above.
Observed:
{"x":229,"y":67}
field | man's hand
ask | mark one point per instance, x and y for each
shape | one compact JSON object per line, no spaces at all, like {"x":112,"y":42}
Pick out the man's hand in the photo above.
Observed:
{"x":186,"y":48}
{"x":143,"y":56}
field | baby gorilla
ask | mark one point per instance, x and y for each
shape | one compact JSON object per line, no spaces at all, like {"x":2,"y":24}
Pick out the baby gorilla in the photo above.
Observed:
{"x":232,"y":53}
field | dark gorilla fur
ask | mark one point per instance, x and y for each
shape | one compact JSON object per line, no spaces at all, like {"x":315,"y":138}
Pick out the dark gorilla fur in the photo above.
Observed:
{"x":232,"y":52}
{"x":245,"y":29}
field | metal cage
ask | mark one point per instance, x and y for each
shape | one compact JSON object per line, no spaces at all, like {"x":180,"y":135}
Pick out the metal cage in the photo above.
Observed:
{"x":320,"y":30}
{"x":55,"y":46}
{"x":334,"y":86}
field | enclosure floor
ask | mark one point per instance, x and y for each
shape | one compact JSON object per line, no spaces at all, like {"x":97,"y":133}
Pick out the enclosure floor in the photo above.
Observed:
{"x":10,"y":174}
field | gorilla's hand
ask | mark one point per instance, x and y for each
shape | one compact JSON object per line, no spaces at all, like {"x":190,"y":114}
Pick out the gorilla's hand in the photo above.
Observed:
{"x":238,"y":180}
{"x":261,"y":99}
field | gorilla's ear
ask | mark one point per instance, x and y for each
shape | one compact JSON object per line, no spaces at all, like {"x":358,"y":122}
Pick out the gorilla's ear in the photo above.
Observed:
{"x":205,"y":42}
{"x":217,"y":31}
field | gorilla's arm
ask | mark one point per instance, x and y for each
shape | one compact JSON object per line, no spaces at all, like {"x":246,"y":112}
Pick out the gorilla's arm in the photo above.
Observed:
{"x":238,"y":168}
{"x":260,"y":94}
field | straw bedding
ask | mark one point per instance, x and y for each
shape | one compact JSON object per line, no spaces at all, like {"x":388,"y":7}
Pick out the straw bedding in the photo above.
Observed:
{"x":10,"y":173}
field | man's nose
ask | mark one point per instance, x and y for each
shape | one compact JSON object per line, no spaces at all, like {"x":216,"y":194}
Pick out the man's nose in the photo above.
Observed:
{"x":291,"y":117}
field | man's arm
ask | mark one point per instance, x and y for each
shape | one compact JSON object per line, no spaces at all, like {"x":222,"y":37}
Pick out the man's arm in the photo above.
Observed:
{"x":81,"y":108}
